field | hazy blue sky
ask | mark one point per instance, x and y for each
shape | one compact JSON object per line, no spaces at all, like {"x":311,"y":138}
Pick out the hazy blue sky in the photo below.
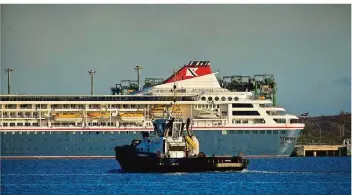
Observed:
{"x":307,"y":47}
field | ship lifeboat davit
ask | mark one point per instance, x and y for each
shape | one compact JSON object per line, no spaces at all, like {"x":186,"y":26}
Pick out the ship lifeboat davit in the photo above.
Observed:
{"x":132,"y":117}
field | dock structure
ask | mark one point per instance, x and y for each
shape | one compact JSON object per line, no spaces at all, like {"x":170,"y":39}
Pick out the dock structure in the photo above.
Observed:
{"x":320,"y":150}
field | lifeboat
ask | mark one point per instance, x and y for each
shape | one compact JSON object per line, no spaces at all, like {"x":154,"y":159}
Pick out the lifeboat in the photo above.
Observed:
{"x":68,"y":116}
{"x":176,"y":110}
{"x":158,"y":111}
{"x":207,"y":114}
{"x":132,"y":117}
{"x":98,"y":115}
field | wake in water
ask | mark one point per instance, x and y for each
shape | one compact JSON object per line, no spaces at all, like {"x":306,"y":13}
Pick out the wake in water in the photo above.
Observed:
{"x":293,"y":172}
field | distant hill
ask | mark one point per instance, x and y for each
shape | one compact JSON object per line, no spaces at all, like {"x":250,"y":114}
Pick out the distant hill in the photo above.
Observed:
{"x":331,"y":128}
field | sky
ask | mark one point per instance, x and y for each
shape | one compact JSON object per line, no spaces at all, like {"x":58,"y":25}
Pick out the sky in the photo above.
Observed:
{"x":307,"y":47}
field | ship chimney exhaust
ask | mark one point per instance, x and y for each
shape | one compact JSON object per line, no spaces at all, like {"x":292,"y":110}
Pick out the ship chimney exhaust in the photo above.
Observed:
{"x":8,"y":71}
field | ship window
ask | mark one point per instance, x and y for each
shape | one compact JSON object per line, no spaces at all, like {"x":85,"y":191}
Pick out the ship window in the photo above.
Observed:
{"x":280,"y":120}
{"x":210,"y":98}
{"x":203,"y":98}
{"x":229,"y":98}
{"x":262,"y":132}
{"x":268,"y":132}
{"x":236,"y":98}
{"x":292,"y":121}
{"x":238,"y":121}
{"x":176,"y":148}
{"x":246,"y":132}
{"x":216,"y":98}
{"x":97,"y":132}
{"x":5,"y":124}
{"x":283,"y":131}
{"x":255,"y":132}
{"x":223,"y":98}
{"x":275,"y":132}
{"x":240,"y":132}
{"x":242,"y":105}
{"x":242,"y":113}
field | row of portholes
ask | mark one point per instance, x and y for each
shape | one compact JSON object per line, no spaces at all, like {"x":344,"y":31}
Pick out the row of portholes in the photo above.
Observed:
{"x":210,"y":98}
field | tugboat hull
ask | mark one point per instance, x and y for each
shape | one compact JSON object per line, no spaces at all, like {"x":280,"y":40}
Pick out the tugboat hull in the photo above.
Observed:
{"x":133,"y":162}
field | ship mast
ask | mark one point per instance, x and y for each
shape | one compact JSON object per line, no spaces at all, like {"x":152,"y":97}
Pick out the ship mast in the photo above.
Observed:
{"x":174,"y":87}
{"x":138,"y":69}
{"x":92,"y":73}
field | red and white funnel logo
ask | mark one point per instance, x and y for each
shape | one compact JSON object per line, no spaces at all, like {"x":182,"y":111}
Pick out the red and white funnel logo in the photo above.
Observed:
{"x":191,"y":72}
{"x":193,"y":69}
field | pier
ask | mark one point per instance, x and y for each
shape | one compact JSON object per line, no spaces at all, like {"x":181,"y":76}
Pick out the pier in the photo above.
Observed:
{"x":320,"y":150}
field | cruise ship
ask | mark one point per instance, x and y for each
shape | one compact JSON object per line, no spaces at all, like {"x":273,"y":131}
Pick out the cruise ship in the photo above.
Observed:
{"x":228,"y":118}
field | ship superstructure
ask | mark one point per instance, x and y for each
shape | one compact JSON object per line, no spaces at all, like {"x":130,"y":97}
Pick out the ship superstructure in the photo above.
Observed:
{"x":227,"y":121}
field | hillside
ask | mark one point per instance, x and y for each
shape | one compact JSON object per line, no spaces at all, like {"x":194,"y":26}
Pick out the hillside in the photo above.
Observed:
{"x":331,"y":126}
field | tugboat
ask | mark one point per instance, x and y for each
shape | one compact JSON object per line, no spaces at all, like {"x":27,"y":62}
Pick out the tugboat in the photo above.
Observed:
{"x":172,"y":148}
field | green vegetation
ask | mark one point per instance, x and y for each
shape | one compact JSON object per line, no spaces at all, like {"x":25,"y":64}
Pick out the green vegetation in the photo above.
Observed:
{"x":333,"y":129}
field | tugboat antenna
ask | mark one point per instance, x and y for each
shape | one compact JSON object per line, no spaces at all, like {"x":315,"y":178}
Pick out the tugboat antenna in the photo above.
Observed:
{"x":174,"y":87}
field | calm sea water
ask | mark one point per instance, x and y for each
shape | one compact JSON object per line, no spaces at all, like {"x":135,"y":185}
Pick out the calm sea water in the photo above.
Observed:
{"x":264,"y":176}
